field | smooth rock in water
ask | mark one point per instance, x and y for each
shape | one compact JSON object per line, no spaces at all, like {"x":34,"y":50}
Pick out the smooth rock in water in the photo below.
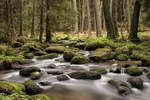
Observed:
{"x":26,"y":72}
{"x":68,"y":55}
{"x":134,"y":71}
{"x":46,"y":83}
{"x":51,"y":66}
{"x":85,"y":75}
{"x":35,"y":75}
{"x":32,"y":88}
{"x":48,"y":56}
{"x":6,"y":64}
{"x":116,"y":70}
{"x":122,"y":57}
{"x":55,"y":72}
{"x":99,"y":70}
{"x":136,"y":82}
{"x":121,"y":86}
{"x":62,"y":78}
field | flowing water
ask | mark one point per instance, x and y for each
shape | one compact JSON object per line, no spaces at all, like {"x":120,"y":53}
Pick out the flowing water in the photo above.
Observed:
{"x":79,"y":89}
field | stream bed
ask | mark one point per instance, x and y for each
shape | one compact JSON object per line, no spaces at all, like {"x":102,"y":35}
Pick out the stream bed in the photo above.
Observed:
{"x":74,"y":89}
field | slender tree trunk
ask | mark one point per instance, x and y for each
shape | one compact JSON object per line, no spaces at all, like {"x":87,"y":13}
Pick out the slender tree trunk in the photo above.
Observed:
{"x":83,"y":15}
{"x":97,"y":17}
{"x":89,"y":18}
{"x":135,"y":21}
{"x":33,"y":20}
{"x":76,"y":17}
{"x":108,"y":20}
{"x":41,"y":21}
{"x":114,"y":15}
{"x":129,"y":15}
{"x":48,"y":31}
{"x":20,"y":18}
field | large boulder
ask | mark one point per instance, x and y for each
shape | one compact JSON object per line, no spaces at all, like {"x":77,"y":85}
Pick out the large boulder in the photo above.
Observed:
{"x":134,"y":71}
{"x":62,"y":78}
{"x":85,"y":75}
{"x":26,"y":72}
{"x":79,"y":59}
{"x":6,"y":64}
{"x":121,"y":86}
{"x":94,"y":45}
{"x":68,"y":55}
{"x":124,"y":50}
{"x":102,"y":55}
{"x":48,"y":56}
{"x":99,"y":70}
{"x":136,"y":82}
{"x":55,"y":49}
{"x":122,"y":57}
{"x":10,"y":87}
{"x":32,"y":87}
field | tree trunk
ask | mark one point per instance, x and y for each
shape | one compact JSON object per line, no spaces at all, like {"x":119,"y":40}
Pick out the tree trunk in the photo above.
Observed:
{"x":48,"y":31}
{"x":129,"y":15}
{"x":76,"y":17}
{"x":33,"y":20}
{"x":20,"y":18}
{"x":135,"y":21}
{"x":97,"y":17}
{"x":83,"y":15}
{"x":108,"y":20}
{"x":114,"y":15}
{"x":89,"y":18}
{"x":41,"y":21}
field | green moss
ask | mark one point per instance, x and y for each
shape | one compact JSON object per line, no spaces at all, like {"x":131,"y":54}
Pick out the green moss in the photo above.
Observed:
{"x":55,"y":49}
{"x":10,"y":52}
{"x":40,"y":97}
{"x":79,"y":59}
{"x":94,"y":45}
{"x":10,"y":87}
{"x":32,"y":87}
{"x":134,"y":71}
{"x":68,"y":55}
{"x":48,"y":56}
{"x":122,"y":57}
{"x":29,"y":55}
{"x":99,"y":70}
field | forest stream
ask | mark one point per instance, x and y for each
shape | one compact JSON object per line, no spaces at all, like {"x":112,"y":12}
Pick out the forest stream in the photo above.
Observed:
{"x":74,"y":89}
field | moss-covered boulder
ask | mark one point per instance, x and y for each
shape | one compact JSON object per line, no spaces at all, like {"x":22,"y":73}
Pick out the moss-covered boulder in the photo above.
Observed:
{"x":146,"y":61}
{"x":99,"y":70}
{"x":29,"y":47}
{"x":121,"y":86}
{"x":81,"y":45}
{"x":62,"y":78}
{"x":10,"y":52}
{"x":40,"y":97}
{"x":48,"y":56}
{"x":68,"y":55}
{"x":122,"y":57}
{"x":102,"y":55}
{"x":124,"y":50}
{"x":26,"y":72}
{"x":85,"y":75}
{"x":55,"y":49}
{"x":39,"y":53}
{"x":79,"y":59}
{"x":32,"y":87}
{"x":28,"y":55}
{"x":22,"y":61}
{"x":134,"y":71}
{"x":10,"y":87}
{"x":6,"y":64}
{"x":136,"y":82}
{"x":35,"y":75}
{"x":94,"y":45}
{"x":126,"y":64}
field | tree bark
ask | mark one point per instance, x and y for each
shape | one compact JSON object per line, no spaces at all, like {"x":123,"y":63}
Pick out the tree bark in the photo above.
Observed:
{"x":76,"y":17}
{"x":108,"y":20}
{"x":89,"y":18}
{"x":48,"y":31}
{"x":41,"y":21}
{"x":33,"y":20}
{"x":129,"y":15}
{"x":135,"y":21}
{"x":97,"y":17}
{"x":20,"y":18}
